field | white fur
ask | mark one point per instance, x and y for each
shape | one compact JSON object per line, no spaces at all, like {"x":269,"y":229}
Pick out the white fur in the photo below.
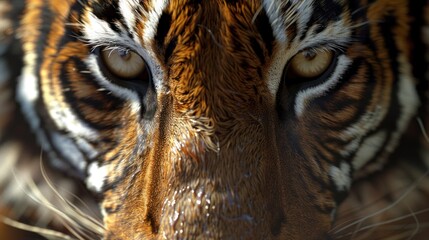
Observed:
{"x":408,"y":101}
{"x":28,"y":91}
{"x":127,"y":9}
{"x":304,"y":96}
{"x":65,"y":119}
{"x":28,"y":94}
{"x":369,"y":121}
{"x":304,"y":11}
{"x":86,"y":147}
{"x":116,"y":90}
{"x":272,"y":8}
{"x":341,"y":176}
{"x":149,"y":33}
{"x":69,"y":149}
{"x":350,"y":147}
{"x":152,"y":20}
{"x":96,"y":176}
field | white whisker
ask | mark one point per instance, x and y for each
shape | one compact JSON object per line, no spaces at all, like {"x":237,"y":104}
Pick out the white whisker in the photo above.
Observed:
{"x":81,"y":225}
{"x":83,"y":219}
{"x":398,"y":200}
{"x":417,"y":224}
{"x":50,"y":234}
{"x":423,"y":129}
{"x":371,"y":226}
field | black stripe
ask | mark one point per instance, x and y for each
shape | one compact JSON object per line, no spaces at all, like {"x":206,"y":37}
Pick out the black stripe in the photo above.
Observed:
{"x":162,"y":30}
{"x":265,"y":30}
{"x":420,"y":65}
{"x":171,"y":45}
{"x":365,"y":99}
{"x":357,"y":11}
{"x":292,"y":31}
{"x":108,"y":10}
{"x":73,"y":101}
{"x":258,"y":50}
{"x":390,"y":121}
{"x":324,"y":12}
{"x":71,"y":32}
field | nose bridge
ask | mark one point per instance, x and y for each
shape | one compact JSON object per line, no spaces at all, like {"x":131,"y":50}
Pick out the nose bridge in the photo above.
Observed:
{"x":213,"y":69}
{"x":219,"y":99}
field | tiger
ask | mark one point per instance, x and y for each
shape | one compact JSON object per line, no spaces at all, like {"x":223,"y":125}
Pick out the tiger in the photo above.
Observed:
{"x":216,"y":119}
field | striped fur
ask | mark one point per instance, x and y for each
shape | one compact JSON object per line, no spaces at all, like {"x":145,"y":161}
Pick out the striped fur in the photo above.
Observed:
{"x":219,"y":142}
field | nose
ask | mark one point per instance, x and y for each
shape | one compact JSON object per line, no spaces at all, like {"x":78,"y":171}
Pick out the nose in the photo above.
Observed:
{"x":222,"y":182}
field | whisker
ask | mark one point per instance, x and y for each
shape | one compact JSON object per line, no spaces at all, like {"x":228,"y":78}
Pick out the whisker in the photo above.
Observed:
{"x":50,"y":234}
{"x":423,"y":129}
{"x":258,"y":11}
{"x":353,"y":211}
{"x":416,"y":230}
{"x":79,"y":224}
{"x":83,"y":218}
{"x":413,"y":214}
{"x":213,"y":37}
{"x":396,"y":202}
{"x":35,"y":194}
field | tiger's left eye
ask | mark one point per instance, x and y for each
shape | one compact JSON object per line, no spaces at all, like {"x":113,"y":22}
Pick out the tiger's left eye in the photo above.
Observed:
{"x":308,"y":65}
{"x":123,"y":63}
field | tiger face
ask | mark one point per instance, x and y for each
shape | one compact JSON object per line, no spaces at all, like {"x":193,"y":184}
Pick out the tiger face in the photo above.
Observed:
{"x":217,"y":119}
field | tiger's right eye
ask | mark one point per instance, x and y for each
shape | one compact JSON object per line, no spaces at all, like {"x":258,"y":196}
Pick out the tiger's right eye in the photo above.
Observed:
{"x":123,"y":63}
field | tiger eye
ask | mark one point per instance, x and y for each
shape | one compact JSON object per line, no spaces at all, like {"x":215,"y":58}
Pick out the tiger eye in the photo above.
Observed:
{"x":123,"y":63}
{"x":310,"y":64}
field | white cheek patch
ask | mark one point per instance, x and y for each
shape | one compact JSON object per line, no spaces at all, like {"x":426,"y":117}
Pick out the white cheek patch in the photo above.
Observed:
{"x":96,"y":176}
{"x":368,"y":149}
{"x":341,"y":176}
{"x":304,"y":96}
